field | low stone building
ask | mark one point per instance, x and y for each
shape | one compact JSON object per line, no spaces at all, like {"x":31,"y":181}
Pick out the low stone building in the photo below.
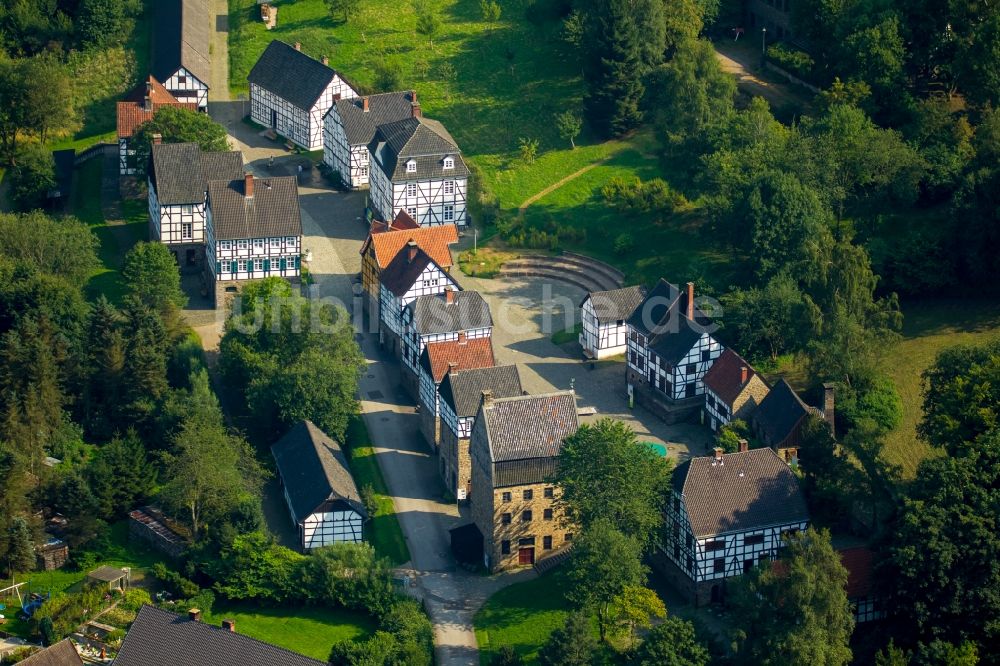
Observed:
{"x":733,"y":390}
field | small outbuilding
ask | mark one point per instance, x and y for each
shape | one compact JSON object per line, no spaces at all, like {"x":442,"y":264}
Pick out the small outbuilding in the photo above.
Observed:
{"x":149,"y":524}
{"x":116,"y":578}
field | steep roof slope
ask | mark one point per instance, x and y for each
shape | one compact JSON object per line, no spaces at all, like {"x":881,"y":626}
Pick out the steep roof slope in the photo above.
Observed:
{"x":291,"y":74}
{"x":438,"y":357}
{"x":778,"y":414}
{"x":463,"y":390}
{"x":725,"y":377}
{"x":272,"y":211}
{"x":360,"y":125}
{"x":182,"y":38}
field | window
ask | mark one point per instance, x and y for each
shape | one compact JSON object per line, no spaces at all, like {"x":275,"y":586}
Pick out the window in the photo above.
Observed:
{"x":258,"y":244}
{"x":275,"y":243}
{"x":187,"y":231}
{"x":719,"y":565}
{"x":547,"y":514}
{"x":505,"y":547}
{"x":676,"y":530}
{"x":526,"y":516}
{"x":225,"y":245}
{"x":411,"y":167}
{"x":187,"y":209}
{"x":412,"y":212}
{"x":290,"y":241}
{"x":569,"y":536}
{"x":706,"y":356}
{"x":690,"y":563}
{"x":710,"y":401}
{"x":690,"y":369}
{"x":449,"y":213}
{"x":712,"y":546}
{"x":242,"y":244}
{"x":689,"y":539}
{"x":505,"y":519}
{"x":528,"y":494}
{"x":449,"y":163}
{"x":526,"y":541}
{"x":753,"y":539}
{"x":546,"y":543}
{"x":506,"y":497}
{"x":747,"y":565}
{"x":258,"y":264}
{"x":363,"y":171}
{"x":549,"y":493}
{"x":449,"y":187}
{"x":243,"y":265}
{"x":181,"y":80}
{"x":411,"y":189}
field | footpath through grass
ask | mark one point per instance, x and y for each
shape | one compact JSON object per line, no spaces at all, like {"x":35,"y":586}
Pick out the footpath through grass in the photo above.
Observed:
{"x":383,"y":530}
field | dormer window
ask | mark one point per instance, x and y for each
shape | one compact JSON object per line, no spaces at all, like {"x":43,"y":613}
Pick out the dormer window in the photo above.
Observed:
{"x":411,"y":166}
{"x":449,"y":162}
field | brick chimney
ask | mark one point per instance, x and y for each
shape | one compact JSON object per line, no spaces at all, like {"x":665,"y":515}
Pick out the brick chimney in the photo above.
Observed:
{"x":462,"y":338}
{"x":147,"y":101}
{"x":744,"y":445}
{"x":248,"y":185}
{"x":229,"y":625}
{"x":452,"y":366}
{"x":364,"y":103}
{"x":718,"y":456}
{"x":744,"y":373}
{"x":690,"y":301}
{"x":325,"y":61}
{"x":298,"y":46}
{"x":449,"y":296}
{"x":829,"y":411}
{"x":413,"y":96}
{"x":157,"y":139}
{"x":415,"y":110}
{"x":487,"y":398}
{"x":194,"y":615}
{"x":411,"y":251}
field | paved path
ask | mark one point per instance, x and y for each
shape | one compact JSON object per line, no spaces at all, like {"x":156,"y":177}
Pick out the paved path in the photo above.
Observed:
{"x":219,"y":87}
{"x":777,"y":95}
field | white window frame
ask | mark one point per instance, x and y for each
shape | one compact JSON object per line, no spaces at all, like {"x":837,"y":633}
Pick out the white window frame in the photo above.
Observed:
{"x":449,"y":213}
{"x":411,"y":166}
{"x":187,"y":231}
{"x":412,"y":212}
{"x":363,"y":170}
{"x":275,"y":243}
{"x":187,"y":209}
{"x":449,"y":187}
{"x":290,"y":241}
{"x":258,"y":244}
{"x":449,"y":163}
{"x":225,"y":245}
{"x":258,"y":264}
{"x":241,"y":265}
{"x":411,"y":189}
{"x":242,"y":244}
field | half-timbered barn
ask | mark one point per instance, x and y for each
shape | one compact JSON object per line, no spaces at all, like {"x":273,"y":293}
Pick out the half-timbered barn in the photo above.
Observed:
{"x":452,"y":315}
{"x":291,"y":92}
{"x":861,"y":594}
{"x":319,"y":489}
{"x":139,"y":106}
{"x":669,"y":351}
{"x":384,"y":242}
{"x":438,"y":359}
{"x":178,"y":184}
{"x":254,"y":232}
{"x":602,"y":320}
{"x":515,"y":447}
{"x":461,"y":394}
{"x":349,"y":126}
{"x":733,"y":390}
{"x":727,"y":513}
{"x":417,"y":166}
{"x":410,"y":275}
{"x":779,"y":419}
{"x":181,"y":54}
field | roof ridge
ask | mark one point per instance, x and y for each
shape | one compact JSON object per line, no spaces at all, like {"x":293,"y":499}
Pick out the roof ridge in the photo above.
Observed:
{"x":548,"y":394}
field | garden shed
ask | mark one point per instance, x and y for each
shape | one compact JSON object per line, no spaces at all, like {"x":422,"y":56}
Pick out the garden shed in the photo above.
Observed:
{"x":114,"y":577}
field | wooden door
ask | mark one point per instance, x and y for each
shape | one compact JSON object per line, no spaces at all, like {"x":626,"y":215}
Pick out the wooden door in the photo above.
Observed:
{"x":525,"y":555}
{"x":274,"y":119}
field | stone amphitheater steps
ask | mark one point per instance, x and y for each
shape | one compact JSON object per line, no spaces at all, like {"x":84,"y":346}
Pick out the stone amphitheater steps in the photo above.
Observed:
{"x":572,"y":271}
{"x":613,"y":273}
{"x":554,"y":275}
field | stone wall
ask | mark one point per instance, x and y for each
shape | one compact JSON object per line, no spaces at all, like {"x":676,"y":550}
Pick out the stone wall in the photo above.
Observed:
{"x":670,"y":412}
{"x":537,"y":528}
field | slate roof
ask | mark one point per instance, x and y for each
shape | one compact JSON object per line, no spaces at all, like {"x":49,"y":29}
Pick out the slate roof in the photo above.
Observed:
{"x":158,"y":638}
{"x":421,"y":139}
{"x":314,"y":471}
{"x":62,"y":653}
{"x":402,"y":271}
{"x":725,"y":375}
{"x":529,"y":426}
{"x":435,"y":241}
{"x":181,"y":38}
{"x":107,"y":574}
{"x":291,"y":74}
{"x":437,"y":357}
{"x":273,"y":210}
{"x":749,"y":490}
{"x":180,"y":171}
{"x":778,"y":414}
{"x":131,"y":111}
{"x":662,"y":318}
{"x":615,"y":305}
{"x":360,"y":126}
{"x":463,"y":390}
{"x":434,"y":314}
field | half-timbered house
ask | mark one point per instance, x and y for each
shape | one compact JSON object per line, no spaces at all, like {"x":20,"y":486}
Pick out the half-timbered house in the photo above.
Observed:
{"x":384,"y":242}
{"x":733,"y":390}
{"x":602,"y":320}
{"x":178,"y":184}
{"x":461,"y":394}
{"x":417,"y":166}
{"x":861,"y":593}
{"x":349,"y":126}
{"x":181,"y":49}
{"x":727,"y":513}
{"x":139,"y":106}
{"x":779,"y":419}
{"x":452,"y":315}
{"x":438,"y":359}
{"x":669,"y":351}
{"x":411,"y":274}
{"x":514,"y":449}
{"x":254,"y":232}
{"x":319,"y":489}
{"x":291,"y":92}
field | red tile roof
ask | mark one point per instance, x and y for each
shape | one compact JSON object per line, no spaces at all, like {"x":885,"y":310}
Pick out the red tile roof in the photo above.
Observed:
{"x":859,"y":564}
{"x":465,"y":354}
{"x":432,"y":240}
{"x":402,"y":221}
{"x":725,"y":378}
{"x":132,"y":111}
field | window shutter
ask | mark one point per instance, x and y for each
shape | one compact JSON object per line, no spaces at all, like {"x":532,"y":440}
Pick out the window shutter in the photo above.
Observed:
{"x":218,"y":267}
{"x":267,"y":264}
{"x":232,"y":267}
{"x":297,"y":261}
{"x":282,"y":263}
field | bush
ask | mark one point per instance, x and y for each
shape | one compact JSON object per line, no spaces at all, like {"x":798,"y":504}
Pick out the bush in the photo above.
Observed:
{"x":134,"y":599}
{"x":624,"y":244}
{"x":388,"y":75}
{"x":177,"y":584}
{"x":879,"y":402}
{"x":368,"y":500}
{"x":31,"y":177}
{"x":634,"y":195}
{"x":795,"y":61}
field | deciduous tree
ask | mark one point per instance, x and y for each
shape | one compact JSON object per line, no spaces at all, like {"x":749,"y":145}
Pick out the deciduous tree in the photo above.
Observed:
{"x":672,"y":643}
{"x":151,"y":275}
{"x":177,"y":125}
{"x":572,"y":644}
{"x":569,"y":125}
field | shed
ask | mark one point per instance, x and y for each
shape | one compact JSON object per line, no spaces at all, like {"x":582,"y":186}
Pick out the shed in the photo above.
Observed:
{"x":149,"y":524}
{"x":114,"y":577}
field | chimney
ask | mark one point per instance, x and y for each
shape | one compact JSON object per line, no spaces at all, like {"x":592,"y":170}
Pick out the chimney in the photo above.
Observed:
{"x":229,"y":625}
{"x":298,"y":46}
{"x":411,"y":251}
{"x":744,"y":373}
{"x":452,"y":366}
{"x":413,"y":96}
{"x":449,"y":296}
{"x":829,"y":406}
{"x":744,"y":445}
{"x":157,"y":139}
{"x":194,"y":615}
{"x":690,"y":303}
{"x":325,"y":61}
{"x":487,"y":397}
{"x":147,"y":103}
{"x":415,"y":110}
{"x":364,"y":103}
{"x":718,"y":456}
{"x":461,"y":338}
{"x":248,"y":185}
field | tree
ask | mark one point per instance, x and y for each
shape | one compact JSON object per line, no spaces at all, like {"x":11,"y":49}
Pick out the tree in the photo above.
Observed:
{"x":254,"y":566}
{"x":151,"y":275}
{"x":765,"y":322}
{"x":569,"y":125}
{"x":21,"y":546}
{"x":66,"y":247}
{"x":795,"y":612}
{"x":104,"y":23}
{"x":121,"y":476}
{"x":636,"y":608}
{"x":572,"y":644}
{"x":388,"y":75}
{"x":672,"y":643}
{"x":605,"y":474}
{"x":32,"y":177}
{"x":428,"y":21}
{"x":490,"y":11}
{"x":103,"y":365}
{"x":47,"y":96}
{"x":350,"y":575}
{"x":507,"y":656}
{"x":961,"y":396}
{"x":144,"y":370}
{"x":340,"y":9}
{"x":177,"y":125}
{"x":598,"y":580}
{"x":528,"y":149}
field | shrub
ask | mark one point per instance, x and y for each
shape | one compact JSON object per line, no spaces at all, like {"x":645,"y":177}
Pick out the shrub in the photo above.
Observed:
{"x":528,"y":149}
{"x":634,"y":195}
{"x":134,"y":599}
{"x":879,"y":401}
{"x":624,"y":244}
{"x":368,"y":500}
{"x":388,"y":75}
{"x":31,"y":177}
{"x":177,"y":584}
{"x":795,"y":61}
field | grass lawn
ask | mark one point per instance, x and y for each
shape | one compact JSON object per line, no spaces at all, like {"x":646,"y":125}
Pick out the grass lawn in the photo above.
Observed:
{"x":567,"y":336}
{"x":382,"y":531}
{"x":306,"y":630}
{"x":484,"y":262}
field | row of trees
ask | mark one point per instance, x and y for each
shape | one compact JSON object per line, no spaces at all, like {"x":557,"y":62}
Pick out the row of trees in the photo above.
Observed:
{"x":30,"y":27}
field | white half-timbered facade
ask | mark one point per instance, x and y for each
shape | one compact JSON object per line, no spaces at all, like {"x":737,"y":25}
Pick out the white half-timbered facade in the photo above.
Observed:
{"x":139,"y":106}
{"x":320,"y":491}
{"x":416,"y":166}
{"x":437,"y":360}
{"x":350,"y":125}
{"x":181,"y":49}
{"x":602,"y":320}
{"x":291,"y":93}
{"x":407,"y":277}
{"x":728,"y":513}
{"x":446,"y":317}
